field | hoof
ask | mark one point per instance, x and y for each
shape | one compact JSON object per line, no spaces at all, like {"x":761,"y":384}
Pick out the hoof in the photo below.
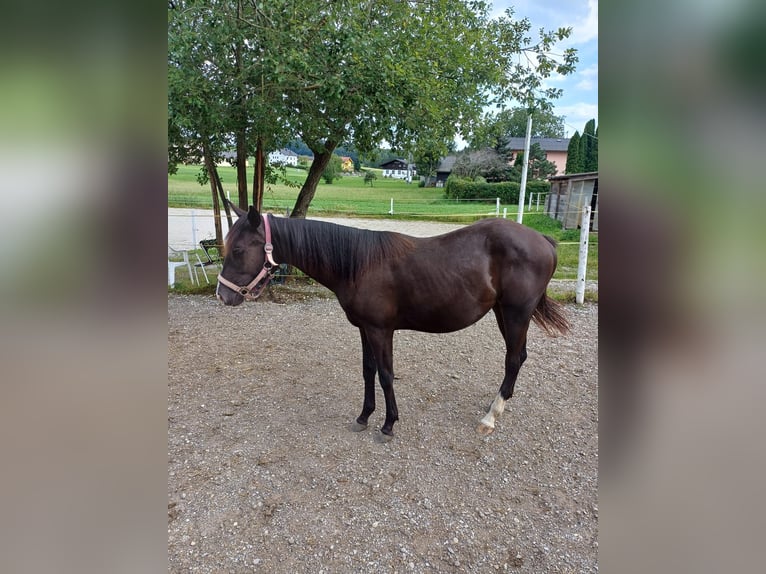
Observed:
{"x":484,"y":430}
{"x":383,"y":438}
{"x":356,"y":426}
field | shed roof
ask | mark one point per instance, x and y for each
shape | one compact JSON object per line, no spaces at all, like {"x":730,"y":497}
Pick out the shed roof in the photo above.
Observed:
{"x":447,"y":164}
{"x":582,"y":175}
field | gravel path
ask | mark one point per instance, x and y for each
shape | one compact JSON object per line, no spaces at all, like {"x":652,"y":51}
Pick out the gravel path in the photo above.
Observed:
{"x":263,"y":475}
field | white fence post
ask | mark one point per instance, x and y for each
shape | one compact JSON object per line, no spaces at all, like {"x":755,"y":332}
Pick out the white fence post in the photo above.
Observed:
{"x":497,"y":207}
{"x":391,"y":211}
{"x":505,"y":212}
{"x":529,"y":208}
{"x":582,"y":262}
{"x":194,"y":228}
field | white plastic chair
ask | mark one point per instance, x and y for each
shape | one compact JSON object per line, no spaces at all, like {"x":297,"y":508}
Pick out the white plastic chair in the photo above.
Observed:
{"x":173,"y":263}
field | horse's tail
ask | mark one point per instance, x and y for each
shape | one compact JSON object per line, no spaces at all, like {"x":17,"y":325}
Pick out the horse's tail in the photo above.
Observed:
{"x":549,"y":313}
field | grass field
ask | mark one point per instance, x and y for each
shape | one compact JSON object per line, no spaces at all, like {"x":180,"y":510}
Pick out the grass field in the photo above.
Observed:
{"x":349,"y":196}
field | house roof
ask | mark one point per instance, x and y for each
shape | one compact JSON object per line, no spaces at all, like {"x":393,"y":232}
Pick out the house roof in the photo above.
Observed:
{"x":548,"y":144}
{"x":284,"y":151}
{"x":446,"y":164}
{"x":393,"y":161}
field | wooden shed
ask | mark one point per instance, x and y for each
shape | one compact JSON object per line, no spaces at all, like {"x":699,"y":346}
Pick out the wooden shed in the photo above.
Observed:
{"x":569,"y":194}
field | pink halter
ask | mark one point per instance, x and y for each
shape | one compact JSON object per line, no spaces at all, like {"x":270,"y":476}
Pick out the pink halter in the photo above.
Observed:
{"x":253,"y":290}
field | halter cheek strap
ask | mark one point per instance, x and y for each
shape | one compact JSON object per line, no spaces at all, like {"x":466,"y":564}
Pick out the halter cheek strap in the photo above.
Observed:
{"x":253,"y":290}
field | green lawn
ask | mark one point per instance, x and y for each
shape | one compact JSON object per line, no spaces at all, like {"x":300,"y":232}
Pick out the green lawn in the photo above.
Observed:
{"x":349,"y":196}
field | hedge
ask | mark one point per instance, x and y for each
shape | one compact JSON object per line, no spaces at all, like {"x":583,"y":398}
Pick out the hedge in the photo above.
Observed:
{"x":507,"y":191}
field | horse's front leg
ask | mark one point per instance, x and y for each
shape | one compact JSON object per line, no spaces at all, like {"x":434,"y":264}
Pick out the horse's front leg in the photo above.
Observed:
{"x":369,"y":368}
{"x":381,"y":342}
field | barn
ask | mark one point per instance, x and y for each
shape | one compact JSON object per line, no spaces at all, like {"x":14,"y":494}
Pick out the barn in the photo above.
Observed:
{"x":569,"y":194}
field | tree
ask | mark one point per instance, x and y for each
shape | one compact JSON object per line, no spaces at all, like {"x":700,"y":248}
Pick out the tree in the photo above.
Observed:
{"x":573,"y":155}
{"x":539,"y":167}
{"x":486,"y":163}
{"x":332,"y":169}
{"x":594,"y":159}
{"x":369,"y":177}
{"x":355,"y":72}
{"x":196,"y":130}
{"x":427,"y":158}
{"x":378,"y":79}
{"x":589,"y":147}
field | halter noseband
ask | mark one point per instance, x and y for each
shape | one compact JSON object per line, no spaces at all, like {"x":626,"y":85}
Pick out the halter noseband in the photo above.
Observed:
{"x":253,"y":290}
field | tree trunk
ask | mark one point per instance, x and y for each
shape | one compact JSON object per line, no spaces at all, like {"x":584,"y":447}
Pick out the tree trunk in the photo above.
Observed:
{"x":312,"y":180}
{"x":242,"y":169}
{"x":212,"y":175}
{"x":259,"y":174}
{"x":222,"y":195}
{"x":240,"y":113}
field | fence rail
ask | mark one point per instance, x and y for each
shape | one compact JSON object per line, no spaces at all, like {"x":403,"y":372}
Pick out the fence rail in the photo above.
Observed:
{"x":187,"y":227}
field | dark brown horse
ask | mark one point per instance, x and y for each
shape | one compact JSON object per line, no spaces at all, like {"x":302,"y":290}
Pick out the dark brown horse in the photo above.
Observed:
{"x":386,"y":281}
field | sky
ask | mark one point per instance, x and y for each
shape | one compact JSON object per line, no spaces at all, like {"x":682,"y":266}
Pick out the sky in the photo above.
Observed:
{"x":579,"y":102}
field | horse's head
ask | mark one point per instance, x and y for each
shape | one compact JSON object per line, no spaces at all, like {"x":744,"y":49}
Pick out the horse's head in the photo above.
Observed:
{"x":247,"y":258}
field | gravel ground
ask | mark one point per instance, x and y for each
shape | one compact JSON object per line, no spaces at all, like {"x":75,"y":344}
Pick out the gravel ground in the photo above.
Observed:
{"x":264,"y":475}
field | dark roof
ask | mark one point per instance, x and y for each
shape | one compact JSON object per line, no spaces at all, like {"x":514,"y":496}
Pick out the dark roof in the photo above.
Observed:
{"x":286,"y":152}
{"x":548,"y":144}
{"x":446,"y":164}
{"x":394,"y":161}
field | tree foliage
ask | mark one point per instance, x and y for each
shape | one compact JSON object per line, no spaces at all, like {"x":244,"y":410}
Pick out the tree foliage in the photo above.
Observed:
{"x":539,"y":167}
{"x":486,"y":163}
{"x":369,"y":177}
{"x":574,"y":165}
{"x":428,"y":156}
{"x":346,"y":72}
{"x":589,"y":147}
{"x":333,"y":169}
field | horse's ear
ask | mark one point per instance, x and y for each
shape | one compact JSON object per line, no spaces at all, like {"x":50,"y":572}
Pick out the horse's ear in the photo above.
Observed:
{"x":237,"y":210}
{"x":254,"y":217}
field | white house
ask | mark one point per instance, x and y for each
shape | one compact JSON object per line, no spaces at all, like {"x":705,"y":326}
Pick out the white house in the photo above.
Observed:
{"x":283,"y":156}
{"x":397,"y":168}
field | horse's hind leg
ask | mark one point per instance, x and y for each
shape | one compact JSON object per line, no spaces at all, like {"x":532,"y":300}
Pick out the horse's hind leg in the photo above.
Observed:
{"x":369,"y":368}
{"x":381,"y":344}
{"x":514,"y":331}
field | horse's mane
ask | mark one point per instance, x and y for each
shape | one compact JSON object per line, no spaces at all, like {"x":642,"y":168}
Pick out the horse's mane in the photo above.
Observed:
{"x":347,"y":251}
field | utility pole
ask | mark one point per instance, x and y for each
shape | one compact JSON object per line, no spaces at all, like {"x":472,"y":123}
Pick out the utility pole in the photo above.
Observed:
{"x":525,"y":165}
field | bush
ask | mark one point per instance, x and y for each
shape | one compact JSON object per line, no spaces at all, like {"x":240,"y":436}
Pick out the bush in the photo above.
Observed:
{"x":459,"y":188}
{"x":369,"y":177}
{"x":507,"y":191}
{"x":332,"y":170}
{"x":538,"y":186}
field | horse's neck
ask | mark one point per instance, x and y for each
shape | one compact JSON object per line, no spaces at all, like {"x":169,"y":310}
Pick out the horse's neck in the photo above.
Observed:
{"x":293,"y":246}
